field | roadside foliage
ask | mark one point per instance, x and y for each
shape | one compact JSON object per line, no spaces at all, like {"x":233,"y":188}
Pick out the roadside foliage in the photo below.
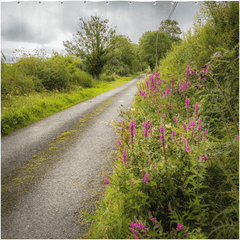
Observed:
{"x":176,"y":171}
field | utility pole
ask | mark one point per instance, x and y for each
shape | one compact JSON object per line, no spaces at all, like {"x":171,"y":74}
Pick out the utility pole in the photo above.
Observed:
{"x":156,"y":50}
{"x":174,"y":6}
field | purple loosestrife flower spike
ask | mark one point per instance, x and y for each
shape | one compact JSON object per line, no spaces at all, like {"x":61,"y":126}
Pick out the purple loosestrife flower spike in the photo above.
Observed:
{"x":167,"y":92}
{"x":205,"y":135}
{"x":124,"y":157}
{"x":187,"y":103}
{"x":146,"y":126}
{"x":162,"y":129}
{"x":196,"y":108}
{"x":146,"y":178}
{"x":173,"y":135}
{"x":187,"y":70}
{"x":175,"y":119}
{"x":184,"y":125}
{"x":132,"y":130}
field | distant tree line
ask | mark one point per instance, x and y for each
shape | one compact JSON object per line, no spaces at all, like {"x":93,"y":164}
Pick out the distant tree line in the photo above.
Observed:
{"x":101,"y":50}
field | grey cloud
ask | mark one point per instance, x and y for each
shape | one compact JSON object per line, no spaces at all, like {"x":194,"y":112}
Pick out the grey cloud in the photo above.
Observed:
{"x":17,"y":30}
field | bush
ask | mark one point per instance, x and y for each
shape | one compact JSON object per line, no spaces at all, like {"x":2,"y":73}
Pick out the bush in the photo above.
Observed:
{"x":16,"y":82}
{"x":82,"y":78}
{"x":104,"y":77}
{"x":54,"y":74}
{"x":117,"y":67}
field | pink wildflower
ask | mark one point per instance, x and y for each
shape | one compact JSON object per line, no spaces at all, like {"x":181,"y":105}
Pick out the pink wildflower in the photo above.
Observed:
{"x":187,"y":103}
{"x":199,"y":126}
{"x":192,"y":124}
{"x":106,"y":181}
{"x":173,"y":135}
{"x":132,"y":130}
{"x":146,"y":178}
{"x":119,"y":142}
{"x":162,"y":138}
{"x":196,"y":108}
{"x":153,"y":219}
{"x":184,"y":125}
{"x":187,"y":235}
{"x":167,"y":91}
{"x":146,"y":131}
{"x":124,"y":157}
{"x":204,"y":70}
{"x":187,"y":70}
{"x":179,"y":226}
{"x":175,"y":119}
{"x":170,"y":106}
{"x":205,"y":135}
{"x":162,"y":129}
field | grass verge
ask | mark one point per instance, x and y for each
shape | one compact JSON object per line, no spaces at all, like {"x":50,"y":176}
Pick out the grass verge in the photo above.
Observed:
{"x":20,"y":111}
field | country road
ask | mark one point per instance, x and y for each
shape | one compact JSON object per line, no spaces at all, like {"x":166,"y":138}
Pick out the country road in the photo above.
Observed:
{"x":53,"y":168}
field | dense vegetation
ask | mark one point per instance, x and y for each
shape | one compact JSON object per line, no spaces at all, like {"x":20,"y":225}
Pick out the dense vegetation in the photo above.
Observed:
{"x":35,"y":87}
{"x":176,"y":173}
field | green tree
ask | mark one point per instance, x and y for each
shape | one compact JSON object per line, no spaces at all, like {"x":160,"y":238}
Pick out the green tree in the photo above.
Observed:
{"x":92,"y":44}
{"x":221,"y":21}
{"x":171,"y":28}
{"x":123,"y":50}
{"x":147,"y":47}
{"x":124,"y":57}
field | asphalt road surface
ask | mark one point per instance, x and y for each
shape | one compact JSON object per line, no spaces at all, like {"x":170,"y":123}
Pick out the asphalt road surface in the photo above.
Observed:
{"x":53,"y":168}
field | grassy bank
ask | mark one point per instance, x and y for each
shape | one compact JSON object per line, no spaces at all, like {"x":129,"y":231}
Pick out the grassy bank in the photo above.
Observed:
{"x":18,"y":111}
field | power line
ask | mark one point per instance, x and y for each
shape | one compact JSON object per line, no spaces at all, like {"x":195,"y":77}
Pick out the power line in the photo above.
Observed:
{"x":174,"y":6}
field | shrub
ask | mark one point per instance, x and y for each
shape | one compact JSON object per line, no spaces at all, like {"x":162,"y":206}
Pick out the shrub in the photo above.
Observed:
{"x":104,"y":77}
{"x":82,"y":78}
{"x":116,"y":66}
{"x":54,"y":74}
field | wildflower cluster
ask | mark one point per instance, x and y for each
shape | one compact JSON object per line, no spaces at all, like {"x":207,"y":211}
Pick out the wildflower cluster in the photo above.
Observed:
{"x":135,"y":228}
{"x":160,"y":151}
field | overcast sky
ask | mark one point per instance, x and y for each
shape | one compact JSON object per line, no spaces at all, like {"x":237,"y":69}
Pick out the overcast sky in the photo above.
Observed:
{"x":32,"y":25}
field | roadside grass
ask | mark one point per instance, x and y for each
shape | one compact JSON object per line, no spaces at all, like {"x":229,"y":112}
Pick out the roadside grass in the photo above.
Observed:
{"x":19,"y":111}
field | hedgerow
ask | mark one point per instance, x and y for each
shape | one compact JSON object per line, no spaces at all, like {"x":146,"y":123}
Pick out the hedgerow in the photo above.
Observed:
{"x":173,"y":177}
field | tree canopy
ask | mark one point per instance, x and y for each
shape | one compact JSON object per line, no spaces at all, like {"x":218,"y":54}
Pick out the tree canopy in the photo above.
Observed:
{"x":171,"y":28}
{"x":147,"y":47}
{"x":92,"y":44}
